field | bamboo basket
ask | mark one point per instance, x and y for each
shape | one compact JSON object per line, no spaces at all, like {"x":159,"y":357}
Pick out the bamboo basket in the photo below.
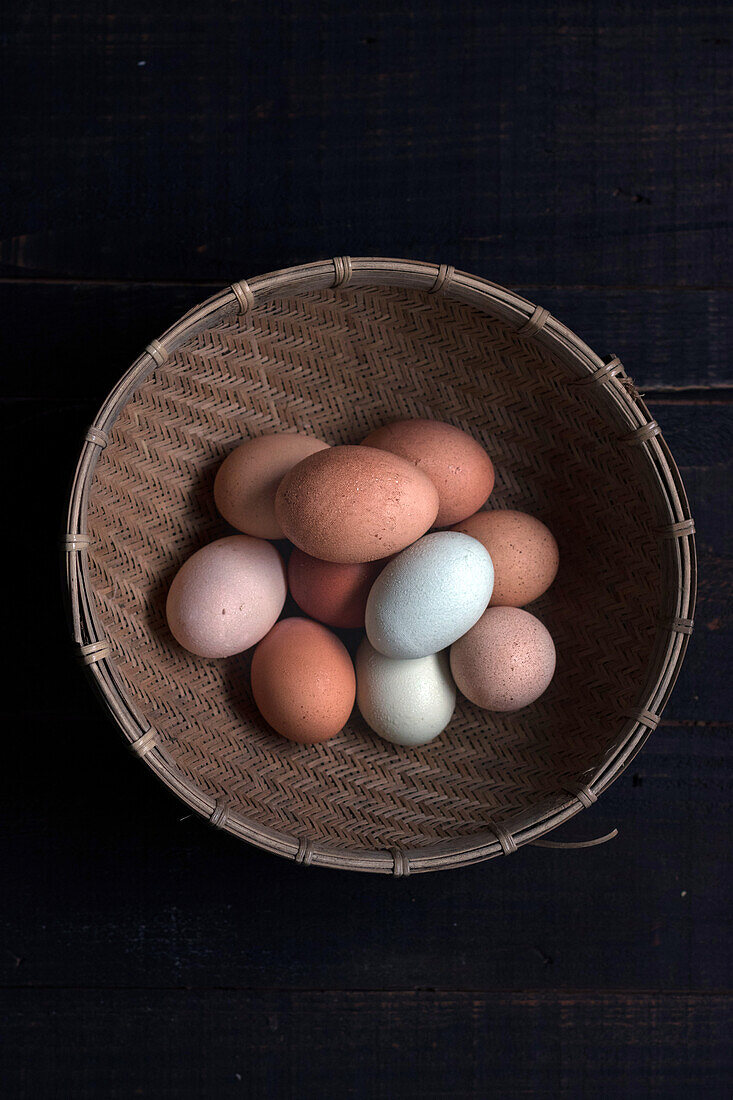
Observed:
{"x":335,"y":348}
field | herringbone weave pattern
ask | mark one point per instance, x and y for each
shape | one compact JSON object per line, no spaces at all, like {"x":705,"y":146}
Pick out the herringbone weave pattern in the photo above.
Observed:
{"x":338,"y":364}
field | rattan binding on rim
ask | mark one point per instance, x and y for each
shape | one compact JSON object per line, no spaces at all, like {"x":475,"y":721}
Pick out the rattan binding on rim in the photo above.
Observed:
{"x":334,"y":348}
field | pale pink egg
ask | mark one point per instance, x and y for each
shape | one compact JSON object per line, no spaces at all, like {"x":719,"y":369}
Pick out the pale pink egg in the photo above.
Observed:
{"x":226,"y":596}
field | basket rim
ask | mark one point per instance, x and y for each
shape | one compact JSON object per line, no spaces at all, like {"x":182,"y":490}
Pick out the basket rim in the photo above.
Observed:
{"x":621,"y":405}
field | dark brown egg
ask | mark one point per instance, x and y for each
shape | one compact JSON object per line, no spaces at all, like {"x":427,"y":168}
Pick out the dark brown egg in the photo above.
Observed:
{"x":332,"y":592}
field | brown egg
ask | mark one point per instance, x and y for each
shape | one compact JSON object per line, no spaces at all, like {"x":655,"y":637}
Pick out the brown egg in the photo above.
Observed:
{"x":303,"y":681}
{"x":355,"y":504}
{"x":332,"y":592}
{"x":523,"y":551}
{"x":226,"y":596}
{"x":458,"y":466}
{"x":505,"y":661}
{"x":247,"y":480}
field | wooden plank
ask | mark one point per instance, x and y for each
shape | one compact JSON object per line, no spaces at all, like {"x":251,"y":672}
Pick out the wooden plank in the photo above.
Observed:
{"x":109,"y":882}
{"x":701,"y":439}
{"x":541,"y":144}
{"x":576,"y":149}
{"x":229,"y":1043}
{"x":74,"y":340}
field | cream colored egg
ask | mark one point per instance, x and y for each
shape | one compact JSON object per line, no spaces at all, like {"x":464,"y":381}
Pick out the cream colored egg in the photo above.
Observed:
{"x":405,"y":702}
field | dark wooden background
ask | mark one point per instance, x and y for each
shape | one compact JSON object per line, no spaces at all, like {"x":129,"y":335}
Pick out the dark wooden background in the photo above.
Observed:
{"x":156,"y":150}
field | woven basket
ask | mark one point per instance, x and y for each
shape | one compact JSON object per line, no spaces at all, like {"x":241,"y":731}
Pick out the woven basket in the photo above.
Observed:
{"x":336,"y":348}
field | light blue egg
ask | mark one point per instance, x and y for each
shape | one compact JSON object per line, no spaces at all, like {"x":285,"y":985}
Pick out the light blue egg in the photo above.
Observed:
{"x":429,"y":595}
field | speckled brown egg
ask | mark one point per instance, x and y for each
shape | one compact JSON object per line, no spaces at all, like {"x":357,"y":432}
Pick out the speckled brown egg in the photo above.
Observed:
{"x":458,"y":466}
{"x":355,"y":504}
{"x":226,"y":596}
{"x":247,"y":480}
{"x":303,"y":681}
{"x":523,"y":551}
{"x":505,"y":661}
{"x":332,"y":592}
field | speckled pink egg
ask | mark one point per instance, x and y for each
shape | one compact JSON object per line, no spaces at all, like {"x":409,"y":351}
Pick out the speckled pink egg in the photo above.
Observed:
{"x":226,"y":596}
{"x":505,"y":661}
{"x":247,"y":480}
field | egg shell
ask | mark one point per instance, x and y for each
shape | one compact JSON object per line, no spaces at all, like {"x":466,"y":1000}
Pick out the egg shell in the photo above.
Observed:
{"x":505,"y":661}
{"x":303,"y":681}
{"x":429,"y":595}
{"x":332,"y":592}
{"x":405,"y":702}
{"x":523,"y":550}
{"x":247,"y":480}
{"x":355,"y":504}
{"x":455,"y":462}
{"x":226,"y":596}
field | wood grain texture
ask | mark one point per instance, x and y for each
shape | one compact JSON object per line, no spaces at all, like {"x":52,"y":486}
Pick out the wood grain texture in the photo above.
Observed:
{"x":643,"y":911}
{"x":577,"y":151}
{"x":668,"y":340}
{"x":436,"y":1046}
{"x":567,"y":143}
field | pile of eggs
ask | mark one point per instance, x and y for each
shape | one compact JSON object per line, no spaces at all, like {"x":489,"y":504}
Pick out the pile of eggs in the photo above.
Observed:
{"x":441,"y":608}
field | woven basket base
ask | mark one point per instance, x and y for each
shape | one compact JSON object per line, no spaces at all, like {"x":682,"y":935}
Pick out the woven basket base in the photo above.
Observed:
{"x":337,"y":364}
